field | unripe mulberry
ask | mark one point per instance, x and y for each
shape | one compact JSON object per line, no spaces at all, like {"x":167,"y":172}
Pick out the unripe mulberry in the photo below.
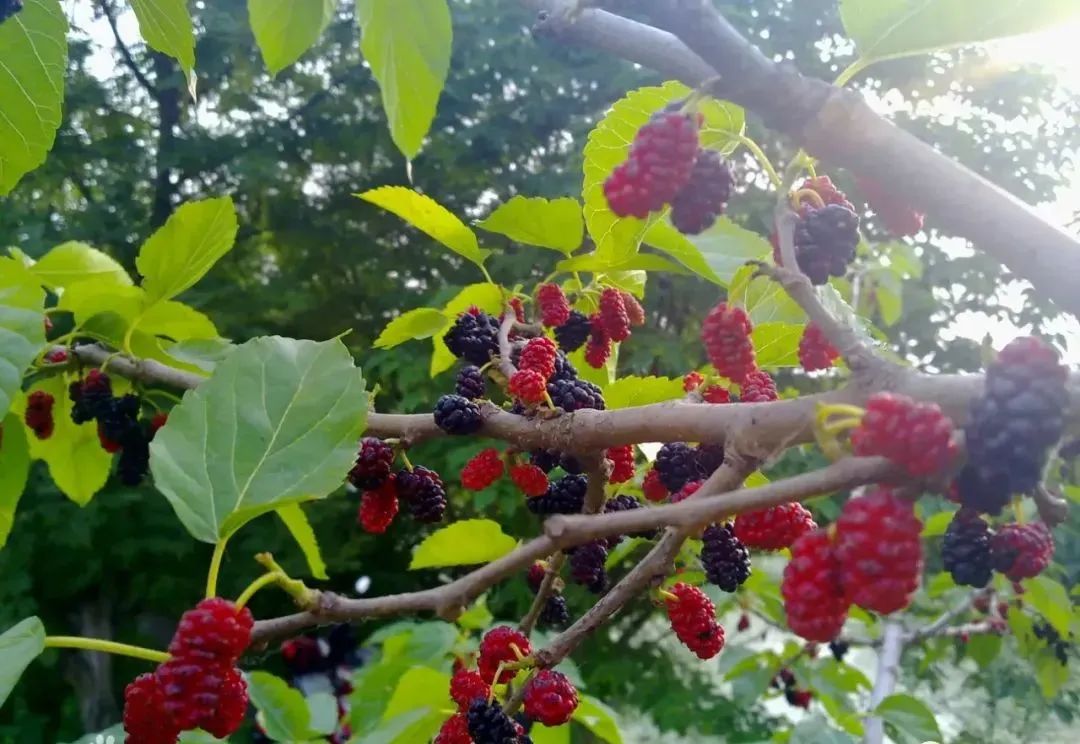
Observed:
{"x":815,"y":351}
{"x":482,"y":470}
{"x":916,"y":436}
{"x":693,"y":618}
{"x":539,"y":354}
{"x":654,"y":488}
{"x":378,"y":507}
{"x":758,"y":387}
{"x":1022,"y":551}
{"x":530,"y":479}
{"x":659,"y":164}
{"x":501,"y":644}
{"x":466,"y":686}
{"x":145,"y":719}
{"x":39,"y":414}
{"x":528,"y":386}
{"x":879,"y":550}
{"x":634,"y":311}
{"x":814,"y":598}
{"x":613,"y":315}
{"x":550,"y":698}
{"x":598,"y":347}
{"x":725,"y":332}
{"x":775,"y":528}
{"x":554,"y":308}
{"x":622,"y":463}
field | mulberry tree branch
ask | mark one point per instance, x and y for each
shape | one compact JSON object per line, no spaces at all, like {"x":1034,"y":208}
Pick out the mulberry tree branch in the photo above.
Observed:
{"x":693,"y":43}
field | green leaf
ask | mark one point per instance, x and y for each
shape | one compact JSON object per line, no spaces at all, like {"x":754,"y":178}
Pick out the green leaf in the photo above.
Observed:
{"x":182,"y":250}
{"x":983,"y":648}
{"x":88,"y":299}
{"x":176,"y":321}
{"x":640,"y":391}
{"x":417,"y":688}
{"x":423,"y":322}
{"x":763,"y":299}
{"x":636,"y":262}
{"x":889,"y":292}
{"x":408,"y":728}
{"x":1051,"y":673}
{"x":777,"y":344}
{"x":885,"y":29}
{"x":77,"y":463}
{"x":940,"y":583}
{"x":429,"y":217}
{"x":1049,"y":599}
{"x":464,"y":543}
{"x":541,"y":734}
{"x":664,"y":237}
{"x":372,"y":685}
{"x":911,"y":716}
{"x":407,"y":44}
{"x":201,"y":353}
{"x":285,"y":29}
{"x":726,"y":247}
{"x":33,"y":46}
{"x":22,"y":321}
{"x":300,"y":528}
{"x":166,"y":27}
{"x":724,"y":123}
{"x":283,"y":711}
{"x":936,"y":524}
{"x":73,"y":262}
{"x":477,"y":617}
{"x":322,"y":707}
{"x":556,"y":224}
{"x":485,"y":295}
{"x":14,"y":470}
{"x":277,"y":423}
{"x":18,"y":647}
{"x":598,"y":718}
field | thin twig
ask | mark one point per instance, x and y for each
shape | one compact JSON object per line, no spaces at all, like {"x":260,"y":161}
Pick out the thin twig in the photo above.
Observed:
{"x":506,"y":365}
{"x":129,"y":60}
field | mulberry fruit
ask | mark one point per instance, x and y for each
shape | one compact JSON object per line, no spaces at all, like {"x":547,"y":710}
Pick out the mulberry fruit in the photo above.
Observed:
{"x":1022,"y":551}
{"x":814,"y":598}
{"x":758,"y":387}
{"x":554,"y":308}
{"x":530,"y":479}
{"x":501,"y":644}
{"x":373,"y":464}
{"x":965,"y":550}
{"x":622,"y":463}
{"x":422,"y":489}
{"x":704,"y":196}
{"x":613,"y":315}
{"x":550,"y":698}
{"x":775,"y":528}
{"x":693,"y":618}
{"x":659,"y":164}
{"x":815,"y":351}
{"x":39,"y":414}
{"x":825,"y":241}
{"x":378,"y":507}
{"x":572,"y":334}
{"x":915,"y":436}
{"x":726,"y":560}
{"x":474,"y":338}
{"x":482,"y":470}
{"x":677,"y":463}
{"x":457,"y":415}
{"x":725,"y":332}
{"x":470,"y":383}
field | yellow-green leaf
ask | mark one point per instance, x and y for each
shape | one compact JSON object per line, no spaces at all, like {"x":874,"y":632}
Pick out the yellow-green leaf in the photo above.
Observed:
{"x":77,"y":463}
{"x":14,"y":470}
{"x":777,"y":344}
{"x":22,"y":325}
{"x":177,"y":321}
{"x":485,"y":296}
{"x":34,"y":51}
{"x":598,"y":719}
{"x":636,"y":262}
{"x":417,"y":688}
{"x":556,"y":224}
{"x":183,"y":249}
{"x":407,"y":44}
{"x":166,"y":26}
{"x":87,"y":299}
{"x":885,"y":29}
{"x":300,"y":528}
{"x":910,"y":715}
{"x":441,"y":358}
{"x":464,"y":543}
{"x":73,"y":262}
{"x":764,"y":300}
{"x":285,"y":29}
{"x":664,"y":237}
{"x":282,"y":708}
{"x":640,"y":391}
{"x":423,"y":322}
{"x":726,"y":247}
{"x":430,"y":217}
{"x":1049,"y":599}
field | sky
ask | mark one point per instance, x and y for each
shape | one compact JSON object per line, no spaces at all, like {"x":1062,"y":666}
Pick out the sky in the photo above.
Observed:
{"x":1054,"y":49}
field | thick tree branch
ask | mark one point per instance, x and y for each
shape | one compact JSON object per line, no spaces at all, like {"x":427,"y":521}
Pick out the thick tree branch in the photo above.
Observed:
{"x":837,"y":126}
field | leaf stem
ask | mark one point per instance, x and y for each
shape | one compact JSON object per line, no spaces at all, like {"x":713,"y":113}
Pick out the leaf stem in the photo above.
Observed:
{"x":851,"y":71}
{"x":762,"y":158}
{"x":108,"y":647}
{"x":215,"y":567}
{"x":256,"y":585}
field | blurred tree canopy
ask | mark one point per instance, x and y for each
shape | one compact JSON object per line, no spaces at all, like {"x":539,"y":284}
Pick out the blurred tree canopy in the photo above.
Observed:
{"x":312,"y":261}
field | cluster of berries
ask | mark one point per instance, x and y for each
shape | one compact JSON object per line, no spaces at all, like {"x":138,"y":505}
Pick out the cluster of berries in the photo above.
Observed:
{"x":680,"y":469}
{"x":1013,"y":426}
{"x":420,"y":488}
{"x":549,"y":697}
{"x":665,"y":166}
{"x":200,"y":685}
{"x":873,"y":560}
{"x":118,"y":426}
{"x":618,"y":311}
{"x":971,"y":550}
{"x":725,"y":333}
{"x":815,"y":351}
{"x":785,"y":680}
